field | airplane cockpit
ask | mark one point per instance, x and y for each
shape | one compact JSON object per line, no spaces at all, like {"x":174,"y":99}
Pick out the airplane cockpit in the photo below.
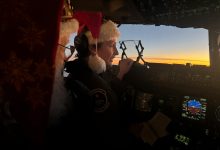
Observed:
{"x":171,"y":106}
{"x":175,"y":106}
{"x":178,"y":104}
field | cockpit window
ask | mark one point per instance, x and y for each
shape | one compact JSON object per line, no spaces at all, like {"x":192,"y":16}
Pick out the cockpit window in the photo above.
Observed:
{"x":166,"y":44}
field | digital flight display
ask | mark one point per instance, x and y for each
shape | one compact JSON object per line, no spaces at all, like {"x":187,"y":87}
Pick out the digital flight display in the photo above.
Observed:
{"x":182,"y":139}
{"x":194,"y":108}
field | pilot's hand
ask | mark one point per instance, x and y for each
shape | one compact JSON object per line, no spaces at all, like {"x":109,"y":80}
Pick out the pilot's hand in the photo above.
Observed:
{"x":124,"y":67}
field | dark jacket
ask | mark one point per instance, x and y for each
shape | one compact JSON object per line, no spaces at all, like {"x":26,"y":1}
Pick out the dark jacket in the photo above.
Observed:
{"x":95,"y":116}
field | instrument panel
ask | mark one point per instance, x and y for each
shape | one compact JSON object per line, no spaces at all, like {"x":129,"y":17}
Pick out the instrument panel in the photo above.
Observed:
{"x":187,"y":95}
{"x":193,"y":119}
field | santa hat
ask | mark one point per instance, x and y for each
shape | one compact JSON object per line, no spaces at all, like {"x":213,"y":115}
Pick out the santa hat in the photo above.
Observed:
{"x":108,"y":31}
{"x":98,"y":31}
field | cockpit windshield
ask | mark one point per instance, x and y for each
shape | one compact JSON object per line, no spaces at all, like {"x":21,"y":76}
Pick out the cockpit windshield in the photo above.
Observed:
{"x":166,"y":44}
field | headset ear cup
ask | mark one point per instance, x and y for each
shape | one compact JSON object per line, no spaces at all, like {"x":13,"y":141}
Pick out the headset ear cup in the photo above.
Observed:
{"x":85,"y":42}
{"x":82,"y":46}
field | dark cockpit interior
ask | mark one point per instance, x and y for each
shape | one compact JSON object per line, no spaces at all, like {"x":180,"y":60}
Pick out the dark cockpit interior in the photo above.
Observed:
{"x":178,"y":104}
{"x":173,"y":106}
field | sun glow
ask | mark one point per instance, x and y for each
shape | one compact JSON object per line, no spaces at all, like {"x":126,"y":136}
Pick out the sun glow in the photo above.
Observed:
{"x":168,"y":61}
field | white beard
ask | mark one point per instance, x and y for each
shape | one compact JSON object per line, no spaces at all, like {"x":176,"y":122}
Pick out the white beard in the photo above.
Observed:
{"x":97,"y":64}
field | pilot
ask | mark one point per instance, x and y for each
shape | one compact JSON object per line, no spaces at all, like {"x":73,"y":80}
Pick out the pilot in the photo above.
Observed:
{"x":95,"y":118}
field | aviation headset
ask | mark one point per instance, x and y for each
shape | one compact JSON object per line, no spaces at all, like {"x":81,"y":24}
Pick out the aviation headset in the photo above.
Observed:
{"x":81,"y":44}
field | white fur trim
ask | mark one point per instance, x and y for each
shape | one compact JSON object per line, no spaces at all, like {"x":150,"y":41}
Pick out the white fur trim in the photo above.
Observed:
{"x":97,"y":64}
{"x":108,"y":31}
{"x":69,"y":27}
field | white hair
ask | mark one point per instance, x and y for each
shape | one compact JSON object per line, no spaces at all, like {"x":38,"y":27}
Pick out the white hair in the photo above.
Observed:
{"x":60,"y":97}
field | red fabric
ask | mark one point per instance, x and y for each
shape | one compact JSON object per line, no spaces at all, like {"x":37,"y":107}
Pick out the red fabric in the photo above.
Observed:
{"x":92,"y":20}
{"x":28,"y":42}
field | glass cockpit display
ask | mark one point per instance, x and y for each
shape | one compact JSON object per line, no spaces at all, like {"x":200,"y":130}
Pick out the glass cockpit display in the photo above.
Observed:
{"x":194,"y":108}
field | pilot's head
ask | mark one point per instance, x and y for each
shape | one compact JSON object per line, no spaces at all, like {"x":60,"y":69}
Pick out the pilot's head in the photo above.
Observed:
{"x":99,"y":52}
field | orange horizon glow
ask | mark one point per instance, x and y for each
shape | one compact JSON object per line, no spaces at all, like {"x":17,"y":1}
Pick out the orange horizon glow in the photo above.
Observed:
{"x":169,"y":61}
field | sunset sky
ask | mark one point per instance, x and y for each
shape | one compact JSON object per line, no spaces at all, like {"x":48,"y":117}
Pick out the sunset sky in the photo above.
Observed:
{"x":167,"y":44}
